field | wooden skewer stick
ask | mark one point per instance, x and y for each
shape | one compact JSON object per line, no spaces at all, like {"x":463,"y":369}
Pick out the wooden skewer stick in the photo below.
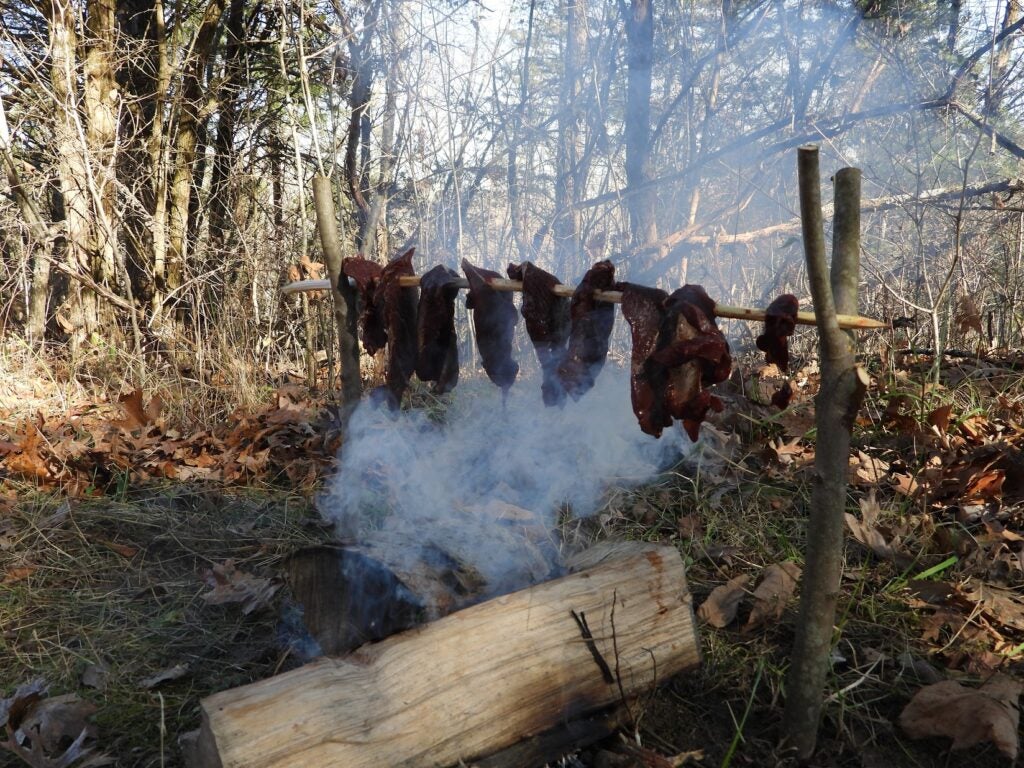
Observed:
{"x":856,"y":322}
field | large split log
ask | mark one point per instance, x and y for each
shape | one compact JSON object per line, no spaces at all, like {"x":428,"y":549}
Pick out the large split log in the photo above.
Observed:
{"x":475,"y":682}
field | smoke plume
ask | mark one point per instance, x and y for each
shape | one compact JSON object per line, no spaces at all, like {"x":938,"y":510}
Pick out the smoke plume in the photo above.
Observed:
{"x":463,"y":482}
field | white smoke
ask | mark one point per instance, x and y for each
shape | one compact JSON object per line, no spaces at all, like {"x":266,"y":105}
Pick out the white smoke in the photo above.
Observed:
{"x":438,"y":482}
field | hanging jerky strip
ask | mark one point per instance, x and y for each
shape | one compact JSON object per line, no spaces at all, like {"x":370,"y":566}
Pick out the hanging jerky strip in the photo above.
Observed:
{"x":366,"y":273}
{"x":438,"y":359}
{"x":397,"y":306}
{"x":782,"y":396}
{"x":591,"y":327}
{"x":547,"y":323}
{"x":779,"y":323}
{"x":494,"y":319}
{"x":677,"y":351}
{"x":643,"y":309}
{"x":694,"y":354}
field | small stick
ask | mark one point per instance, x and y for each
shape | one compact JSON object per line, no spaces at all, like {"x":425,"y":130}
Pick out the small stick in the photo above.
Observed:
{"x":856,"y":322}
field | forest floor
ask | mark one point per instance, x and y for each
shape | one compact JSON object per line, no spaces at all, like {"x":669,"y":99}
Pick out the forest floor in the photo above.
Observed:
{"x":141,"y":559}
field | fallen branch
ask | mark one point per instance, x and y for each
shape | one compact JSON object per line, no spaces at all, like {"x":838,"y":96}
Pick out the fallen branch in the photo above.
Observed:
{"x":754,"y":314}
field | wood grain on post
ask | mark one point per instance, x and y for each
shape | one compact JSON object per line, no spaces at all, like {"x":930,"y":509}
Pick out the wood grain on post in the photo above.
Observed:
{"x":472,"y":683}
{"x":843,"y":385}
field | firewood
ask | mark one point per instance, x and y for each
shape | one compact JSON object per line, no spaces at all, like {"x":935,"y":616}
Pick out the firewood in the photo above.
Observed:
{"x":473,"y":683}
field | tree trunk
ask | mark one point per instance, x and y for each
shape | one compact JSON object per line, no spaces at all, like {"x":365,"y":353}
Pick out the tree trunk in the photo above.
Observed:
{"x":101,"y":97}
{"x":356,"y":147}
{"x":158,"y":158}
{"x":40,"y":249}
{"x":342,"y":294}
{"x":639,"y":58}
{"x":221,"y":194}
{"x":72,"y":170}
{"x":186,"y":143}
{"x":996,"y":87}
{"x":566,"y":228}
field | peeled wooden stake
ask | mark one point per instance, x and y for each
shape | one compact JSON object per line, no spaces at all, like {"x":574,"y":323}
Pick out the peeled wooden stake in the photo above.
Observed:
{"x":473,"y":683}
{"x":852,"y":322}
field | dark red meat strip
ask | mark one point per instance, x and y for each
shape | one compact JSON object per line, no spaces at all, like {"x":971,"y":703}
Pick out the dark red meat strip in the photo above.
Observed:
{"x":673,"y":364}
{"x":438,"y":359}
{"x":644,"y":310}
{"x":494,"y":319}
{"x":547,"y":323}
{"x":366,"y":273}
{"x":779,"y":323}
{"x":591,"y":327}
{"x":398,"y":306}
{"x":782,"y":396}
{"x":702,"y":341}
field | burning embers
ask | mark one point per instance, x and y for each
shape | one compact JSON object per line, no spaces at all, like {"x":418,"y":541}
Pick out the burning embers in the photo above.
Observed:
{"x":678,"y":350}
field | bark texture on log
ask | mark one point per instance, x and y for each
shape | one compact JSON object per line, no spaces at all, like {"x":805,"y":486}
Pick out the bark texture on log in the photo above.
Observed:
{"x":474,"y":682}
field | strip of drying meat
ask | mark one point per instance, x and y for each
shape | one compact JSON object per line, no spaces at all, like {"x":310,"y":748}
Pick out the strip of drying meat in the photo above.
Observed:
{"x":397,"y":305}
{"x":438,"y":358}
{"x":644,"y":310}
{"x":779,"y":323}
{"x":692,"y":354}
{"x":547,"y":323}
{"x":677,"y":352}
{"x":494,"y":319}
{"x":783,"y":395}
{"x":366,"y":273}
{"x":591,"y":327}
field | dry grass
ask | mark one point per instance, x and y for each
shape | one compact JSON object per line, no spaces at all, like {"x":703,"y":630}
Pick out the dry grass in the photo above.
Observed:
{"x":117,"y":585}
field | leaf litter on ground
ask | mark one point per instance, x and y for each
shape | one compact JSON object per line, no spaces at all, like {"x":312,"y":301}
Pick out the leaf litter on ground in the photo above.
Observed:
{"x":968,"y":716}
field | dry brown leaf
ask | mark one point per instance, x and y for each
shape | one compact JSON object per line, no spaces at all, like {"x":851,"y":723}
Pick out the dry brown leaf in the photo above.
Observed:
{"x":968,"y":316}
{"x":164,"y":676}
{"x":47,"y":732}
{"x":939,"y":418}
{"x":967,"y":716}
{"x":689,"y":527}
{"x":132,"y":404}
{"x":29,"y":462}
{"x":720,"y":608}
{"x":772,"y":594}
{"x":1003,"y":606}
{"x":8,"y":534}
{"x":124,"y":550}
{"x":984,"y":486}
{"x":18,"y":573}
{"x":867,"y":469}
{"x":905,"y":485}
{"x":866,"y":531}
{"x":231,"y":585}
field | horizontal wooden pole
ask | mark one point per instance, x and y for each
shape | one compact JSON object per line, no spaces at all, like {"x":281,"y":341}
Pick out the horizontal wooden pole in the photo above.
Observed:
{"x":853,"y":322}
